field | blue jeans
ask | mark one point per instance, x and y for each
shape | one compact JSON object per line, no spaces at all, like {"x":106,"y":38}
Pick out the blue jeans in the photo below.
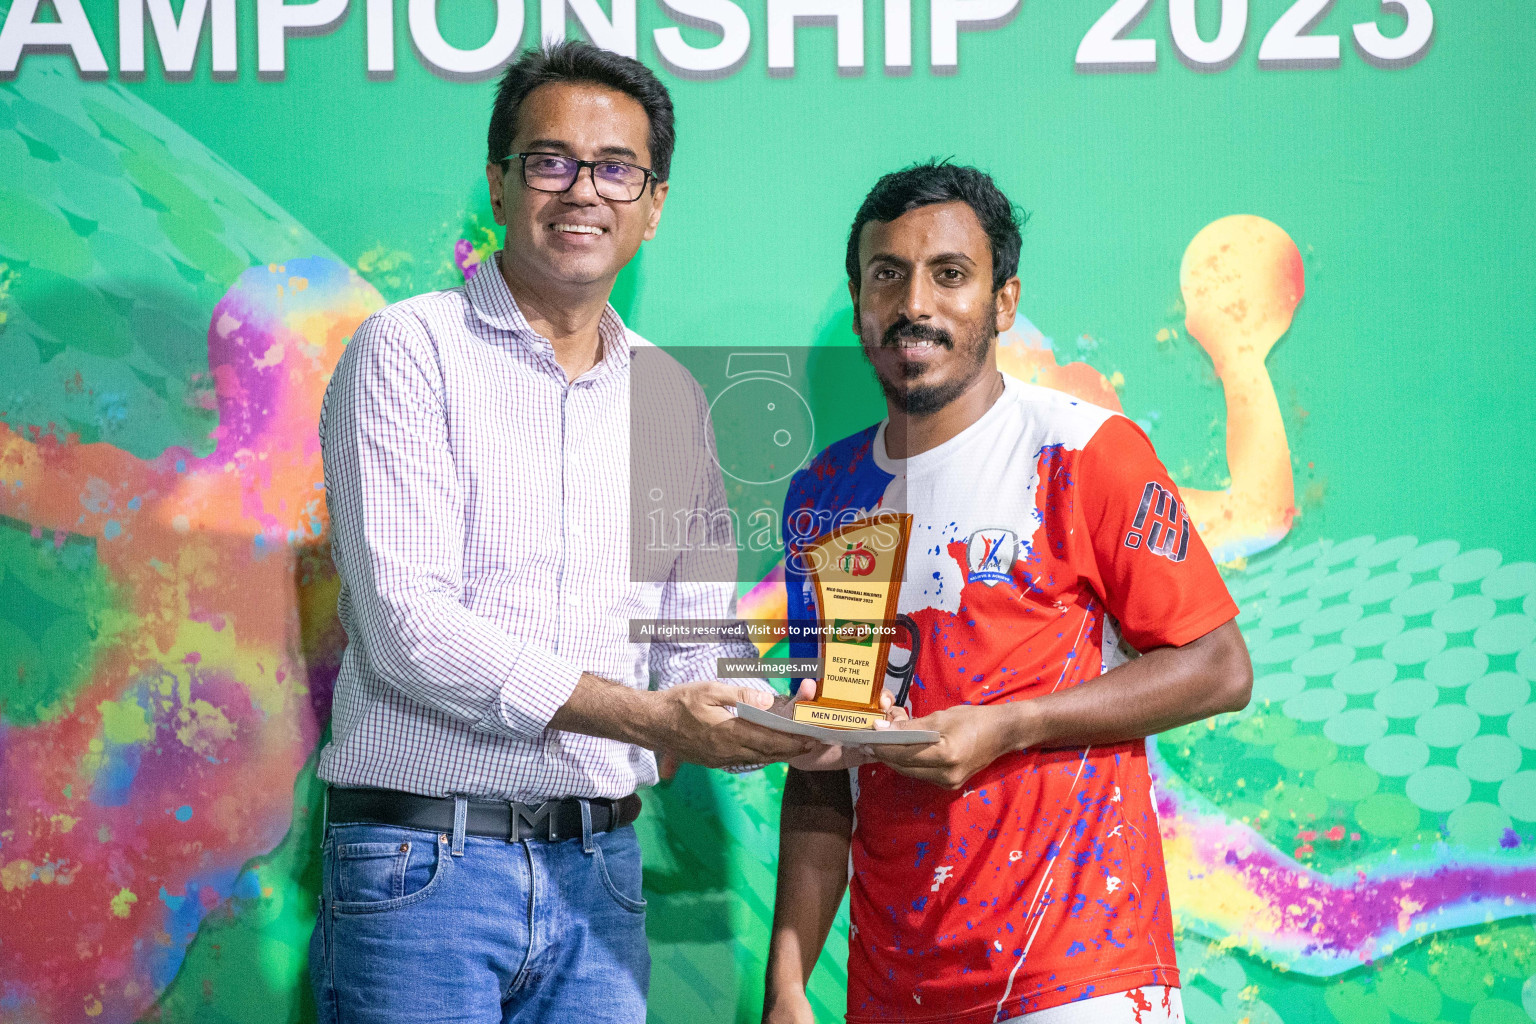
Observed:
{"x":505,"y":932}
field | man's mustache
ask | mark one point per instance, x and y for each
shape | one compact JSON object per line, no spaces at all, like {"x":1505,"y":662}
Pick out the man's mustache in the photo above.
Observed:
{"x":904,"y":329}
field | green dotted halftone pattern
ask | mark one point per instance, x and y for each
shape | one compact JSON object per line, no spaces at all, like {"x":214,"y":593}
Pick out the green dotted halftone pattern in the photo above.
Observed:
{"x":121,"y":232}
{"x":1472,"y":976}
{"x":1391,"y":701}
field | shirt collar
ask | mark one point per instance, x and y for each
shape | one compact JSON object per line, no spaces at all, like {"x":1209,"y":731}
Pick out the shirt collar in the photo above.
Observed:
{"x":494,"y":305}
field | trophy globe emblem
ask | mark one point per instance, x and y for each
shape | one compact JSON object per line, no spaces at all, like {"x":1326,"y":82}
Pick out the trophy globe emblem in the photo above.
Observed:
{"x":857,"y":560}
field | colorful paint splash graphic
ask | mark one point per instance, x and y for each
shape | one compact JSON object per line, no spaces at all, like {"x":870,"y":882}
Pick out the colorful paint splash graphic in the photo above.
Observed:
{"x":169,"y":631}
{"x":1355,"y":846}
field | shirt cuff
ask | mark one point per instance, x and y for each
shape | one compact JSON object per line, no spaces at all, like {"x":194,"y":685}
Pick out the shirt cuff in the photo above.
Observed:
{"x":538,"y":686}
{"x":753,"y":684}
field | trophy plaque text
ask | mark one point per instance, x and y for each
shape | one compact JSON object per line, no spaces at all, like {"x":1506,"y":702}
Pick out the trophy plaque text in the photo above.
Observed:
{"x":857,"y":570}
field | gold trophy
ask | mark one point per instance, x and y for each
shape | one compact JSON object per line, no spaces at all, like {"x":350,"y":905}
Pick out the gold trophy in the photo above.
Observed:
{"x":857,"y":570}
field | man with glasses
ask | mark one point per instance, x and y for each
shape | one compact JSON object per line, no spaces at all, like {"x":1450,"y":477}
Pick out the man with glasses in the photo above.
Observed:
{"x":492,"y":719}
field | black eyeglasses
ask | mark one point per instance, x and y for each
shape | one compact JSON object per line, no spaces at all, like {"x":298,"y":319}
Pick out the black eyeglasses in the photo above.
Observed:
{"x":613,"y":179}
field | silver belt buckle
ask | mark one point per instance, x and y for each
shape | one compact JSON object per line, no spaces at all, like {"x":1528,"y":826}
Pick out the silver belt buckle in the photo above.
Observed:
{"x":543,"y":814}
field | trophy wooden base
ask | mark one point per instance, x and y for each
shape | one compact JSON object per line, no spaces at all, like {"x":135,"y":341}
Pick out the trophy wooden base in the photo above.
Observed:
{"x":842,"y":737}
{"x":835,"y":718}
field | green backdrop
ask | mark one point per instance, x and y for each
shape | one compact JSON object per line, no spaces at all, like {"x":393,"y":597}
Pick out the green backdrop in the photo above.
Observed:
{"x":1356,"y":846}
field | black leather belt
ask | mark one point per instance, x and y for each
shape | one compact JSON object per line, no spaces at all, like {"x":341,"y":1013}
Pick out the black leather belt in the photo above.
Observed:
{"x":553,"y":820}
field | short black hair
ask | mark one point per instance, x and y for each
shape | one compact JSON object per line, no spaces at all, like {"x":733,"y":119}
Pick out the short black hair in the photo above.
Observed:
{"x":577,"y":61}
{"x":939,"y":181}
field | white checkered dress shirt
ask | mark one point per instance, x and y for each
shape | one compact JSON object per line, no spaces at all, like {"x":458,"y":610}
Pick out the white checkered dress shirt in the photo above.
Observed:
{"x":480,"y":516}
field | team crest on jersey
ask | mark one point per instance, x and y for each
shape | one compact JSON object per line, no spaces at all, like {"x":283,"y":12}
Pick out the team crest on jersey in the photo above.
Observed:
{"x":989,"y":556}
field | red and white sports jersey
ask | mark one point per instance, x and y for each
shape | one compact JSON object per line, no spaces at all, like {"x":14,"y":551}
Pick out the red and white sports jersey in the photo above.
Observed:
{"x":1043,"y":535}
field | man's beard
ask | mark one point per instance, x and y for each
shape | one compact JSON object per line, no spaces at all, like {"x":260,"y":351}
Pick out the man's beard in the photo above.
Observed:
{"x":917,"y":399}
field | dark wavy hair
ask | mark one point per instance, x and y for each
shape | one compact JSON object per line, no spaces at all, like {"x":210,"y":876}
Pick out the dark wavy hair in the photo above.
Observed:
{"x":578,"y":61}
{"x":939,"y":181}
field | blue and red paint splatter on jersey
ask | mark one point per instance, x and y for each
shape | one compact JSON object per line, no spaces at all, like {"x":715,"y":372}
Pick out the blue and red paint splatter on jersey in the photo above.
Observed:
{"x":1044,"y":535}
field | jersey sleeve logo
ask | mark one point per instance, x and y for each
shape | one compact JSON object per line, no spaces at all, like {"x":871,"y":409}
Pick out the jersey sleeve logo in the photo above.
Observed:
{"x":1161,"y":524}
{"x":989,"y":556}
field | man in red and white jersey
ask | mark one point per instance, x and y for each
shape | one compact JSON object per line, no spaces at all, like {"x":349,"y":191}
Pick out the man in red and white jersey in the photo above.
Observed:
{"x":1012,"y":870}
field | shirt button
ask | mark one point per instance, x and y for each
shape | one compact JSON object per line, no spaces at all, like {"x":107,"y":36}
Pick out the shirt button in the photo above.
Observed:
{"x":572,"y":598}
